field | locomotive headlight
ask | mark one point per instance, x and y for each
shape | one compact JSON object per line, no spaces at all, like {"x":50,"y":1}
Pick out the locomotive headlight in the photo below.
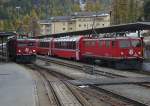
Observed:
{"x":34,"y":51}
{"x":19,"y":51}
{"x":122,"y":53}
{"x":139,"y":53}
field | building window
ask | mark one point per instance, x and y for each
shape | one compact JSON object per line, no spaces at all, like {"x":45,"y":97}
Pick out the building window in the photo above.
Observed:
{"x":103,"y":25}
{"x":64,"y":29}
{"x":79,"y":19}
{"x":47,"y":25}
{"x":70,"y":28}
{"x":84,"y":25}
{"x":79,"y":25}
{"x":97,"y":24}
{"x":47,"y":30}
{"x":64,"y":23}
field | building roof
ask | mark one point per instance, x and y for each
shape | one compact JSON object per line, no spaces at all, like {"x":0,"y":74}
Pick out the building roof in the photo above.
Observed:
{"x":68,"y":38}
{"x":6,"y":34}
{"x":61,"y":18}
{"x":45,"y":21}
{"x":79,"y":14}
{"x":73,"y":16}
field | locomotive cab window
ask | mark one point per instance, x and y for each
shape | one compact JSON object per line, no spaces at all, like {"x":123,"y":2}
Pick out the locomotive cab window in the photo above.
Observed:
{"x":93,"y":43}
{"x":107,"y":44}
{"x":90,"y":43}
{"x":124,"y":43}
{"x":21,"y":44}
{"x":31,"y":44}
{"x":136,"y":43}
{"x":100,"y":43}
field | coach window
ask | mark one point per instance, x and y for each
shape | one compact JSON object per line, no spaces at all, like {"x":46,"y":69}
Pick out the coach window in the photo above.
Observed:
{"x":69,"y":45}
{"x":113,"y":44}
{"x":47,"y":44}
{"x":40,"y":45}
{"x":61,"y":44}
{"x":64,"y":45}
{"x":92,"y":43}
{"x":107,"y":44}
{"x":74,"y":45}
{"x":87,"y":43}
{"x":55,"y":45}
{"x":58,"y":44}
{"x":100,"y":43}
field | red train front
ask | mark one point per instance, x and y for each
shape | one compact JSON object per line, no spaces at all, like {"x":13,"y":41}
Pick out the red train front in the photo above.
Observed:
{"x":22,"y":50}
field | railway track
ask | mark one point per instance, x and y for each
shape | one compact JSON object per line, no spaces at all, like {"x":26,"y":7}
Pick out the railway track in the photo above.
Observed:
{"x":107,"y":72}
{"x":59,"y":93}
{"x":110,"y":73}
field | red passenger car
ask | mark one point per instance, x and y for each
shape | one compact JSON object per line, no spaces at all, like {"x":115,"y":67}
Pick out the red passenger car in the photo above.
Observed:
{"x":44,"y":46}
{"x":67,"y":47}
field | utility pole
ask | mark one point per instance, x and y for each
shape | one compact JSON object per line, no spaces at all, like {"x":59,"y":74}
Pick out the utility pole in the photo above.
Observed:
{"x":18,"y":11}
{"x":47,"y":8}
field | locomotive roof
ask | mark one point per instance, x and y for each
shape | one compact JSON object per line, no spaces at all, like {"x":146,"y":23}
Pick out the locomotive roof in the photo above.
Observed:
{"x":119,"y":38}
{"x":45,"y":40}
{"x":68,"y":38}
{"x":26,"y":39}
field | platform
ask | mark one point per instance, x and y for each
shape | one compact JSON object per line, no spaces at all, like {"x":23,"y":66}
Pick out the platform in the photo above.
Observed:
{"x":16,"y":86}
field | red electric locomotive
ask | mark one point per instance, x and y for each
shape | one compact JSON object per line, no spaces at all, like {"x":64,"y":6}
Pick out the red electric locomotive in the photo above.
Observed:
{"x":22,"y":50}
{"x":118,"y":51}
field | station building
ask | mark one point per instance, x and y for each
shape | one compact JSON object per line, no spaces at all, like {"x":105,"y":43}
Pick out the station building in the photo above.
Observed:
{"x":75,"y":22}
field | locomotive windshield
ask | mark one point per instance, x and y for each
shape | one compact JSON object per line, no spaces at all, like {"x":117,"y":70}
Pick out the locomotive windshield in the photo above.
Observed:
{"x":31,"y":44}
{"x":136,"y":43}
{"x":125,"y":44}
{"x":21,"y":44}
{"x":132,"y":43}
